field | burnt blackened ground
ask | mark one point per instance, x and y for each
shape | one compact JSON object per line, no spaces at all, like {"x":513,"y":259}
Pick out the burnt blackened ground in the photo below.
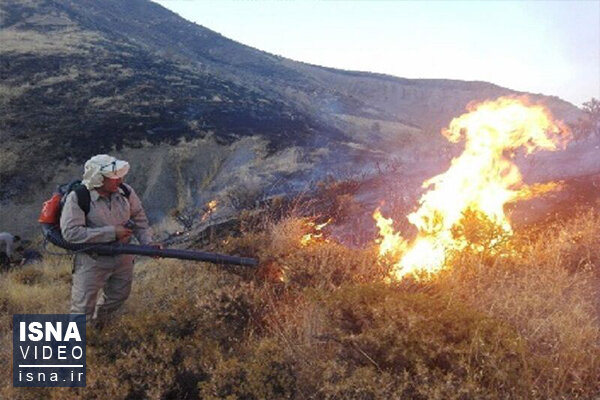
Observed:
{"x":80,"y":77}
{"x":576,"y":194}
{"x":75,"y":106}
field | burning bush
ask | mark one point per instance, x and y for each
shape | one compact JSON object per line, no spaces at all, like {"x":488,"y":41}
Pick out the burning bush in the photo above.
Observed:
{"x":478,"y":183}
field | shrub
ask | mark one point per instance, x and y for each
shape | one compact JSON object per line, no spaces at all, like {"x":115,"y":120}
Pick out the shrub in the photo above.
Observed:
{"x":318,"y":322}
{"x":228,"y":381}
{"x":267,"y":374}
{"x":28,"y":276}
{"x":546,"y":290}
{"x":362,"y":383}
{"x":425,"y":338}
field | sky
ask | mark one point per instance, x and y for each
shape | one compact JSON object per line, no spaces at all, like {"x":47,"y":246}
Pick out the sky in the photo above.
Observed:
{"x":548,"y":47}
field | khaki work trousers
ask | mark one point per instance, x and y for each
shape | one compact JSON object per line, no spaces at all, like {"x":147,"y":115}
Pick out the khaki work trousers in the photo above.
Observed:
{"x":112,"y":274}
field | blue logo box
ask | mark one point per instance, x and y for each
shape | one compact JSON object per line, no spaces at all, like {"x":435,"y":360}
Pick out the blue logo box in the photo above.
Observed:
{"x":49,"y":350}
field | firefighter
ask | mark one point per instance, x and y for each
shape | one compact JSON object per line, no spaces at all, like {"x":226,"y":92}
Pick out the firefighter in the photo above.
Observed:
{"x":115,"y":214}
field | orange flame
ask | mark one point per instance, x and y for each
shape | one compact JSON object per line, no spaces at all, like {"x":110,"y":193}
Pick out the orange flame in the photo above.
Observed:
{"x":210,"y":208}
{"x":390,"y":243}
{"x":483,"y":178}
{"x":316,"y":233}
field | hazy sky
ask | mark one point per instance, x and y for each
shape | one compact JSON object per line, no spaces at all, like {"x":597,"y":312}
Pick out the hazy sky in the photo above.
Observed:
{"x":549,"y":47}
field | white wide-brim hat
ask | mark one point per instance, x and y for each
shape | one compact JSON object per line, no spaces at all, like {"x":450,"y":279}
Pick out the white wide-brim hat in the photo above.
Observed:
{"x":101,"y":166}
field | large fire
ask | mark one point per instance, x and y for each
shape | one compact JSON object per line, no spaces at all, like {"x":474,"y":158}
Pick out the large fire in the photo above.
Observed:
{"x":482,"y":179}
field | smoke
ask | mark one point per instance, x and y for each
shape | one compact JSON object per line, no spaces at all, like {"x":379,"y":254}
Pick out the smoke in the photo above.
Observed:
{"x":580,"y":158}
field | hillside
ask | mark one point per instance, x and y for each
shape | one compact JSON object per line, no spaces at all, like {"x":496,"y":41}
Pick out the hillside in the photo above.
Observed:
{"x":389,"y":268}
{"x":200,"y":116}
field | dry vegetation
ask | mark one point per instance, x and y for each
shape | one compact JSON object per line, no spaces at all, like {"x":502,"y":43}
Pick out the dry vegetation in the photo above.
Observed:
{"x":69,"y":41}
{"x":318,"y":322}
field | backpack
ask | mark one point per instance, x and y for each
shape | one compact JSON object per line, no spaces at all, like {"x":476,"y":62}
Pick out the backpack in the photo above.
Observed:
{"x":52,"y":207}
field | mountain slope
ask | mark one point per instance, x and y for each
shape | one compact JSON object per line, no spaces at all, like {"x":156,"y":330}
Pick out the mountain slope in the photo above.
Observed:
{"x":78,"y":78}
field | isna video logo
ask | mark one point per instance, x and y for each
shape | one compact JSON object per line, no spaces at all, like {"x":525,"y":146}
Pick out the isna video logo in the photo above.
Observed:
{"x":49,"y":350}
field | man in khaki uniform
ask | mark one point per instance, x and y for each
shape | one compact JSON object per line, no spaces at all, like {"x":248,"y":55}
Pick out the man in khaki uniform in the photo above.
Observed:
{"x":110,"y":210}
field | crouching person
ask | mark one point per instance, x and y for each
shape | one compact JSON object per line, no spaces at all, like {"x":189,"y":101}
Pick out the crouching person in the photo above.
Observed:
{"x":11,"y":250}
{"x":112,"y":204}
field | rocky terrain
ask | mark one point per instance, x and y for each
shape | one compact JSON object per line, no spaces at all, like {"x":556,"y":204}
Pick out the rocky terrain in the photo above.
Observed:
{"x":199,"y":116}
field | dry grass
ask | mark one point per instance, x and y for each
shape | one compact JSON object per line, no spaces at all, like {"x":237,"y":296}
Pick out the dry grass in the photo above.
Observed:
{"x":42,"y":288}
{"x":66,"y":41}
{"x":390,"y":132}
{"x":549,"y":294}
{"x":317,"y":322}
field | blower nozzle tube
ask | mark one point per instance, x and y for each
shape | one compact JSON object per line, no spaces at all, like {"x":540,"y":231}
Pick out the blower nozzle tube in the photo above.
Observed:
{"x":53,"y":235}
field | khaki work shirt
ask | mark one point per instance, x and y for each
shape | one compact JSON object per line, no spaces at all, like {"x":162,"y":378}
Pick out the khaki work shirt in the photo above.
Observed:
{"x":105,"y":212}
